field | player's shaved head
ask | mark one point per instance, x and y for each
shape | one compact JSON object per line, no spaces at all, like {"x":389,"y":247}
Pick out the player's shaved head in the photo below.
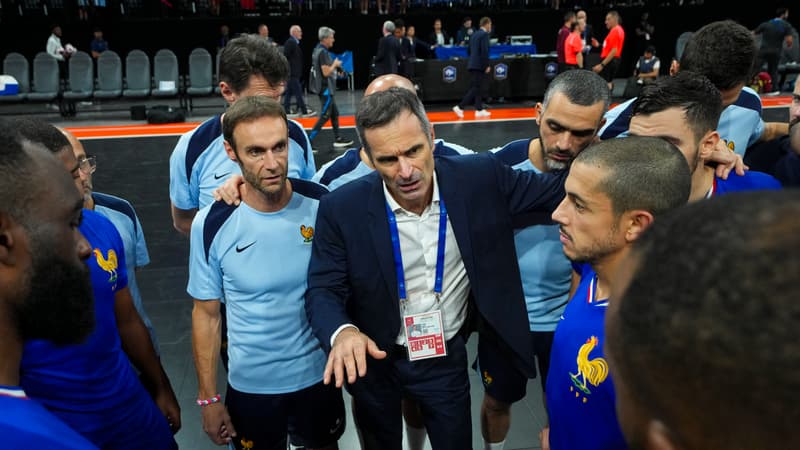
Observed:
{"x":387,"y":81}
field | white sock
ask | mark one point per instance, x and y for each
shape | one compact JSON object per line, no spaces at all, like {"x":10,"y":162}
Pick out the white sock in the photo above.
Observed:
{"x":494,"y":446}
{"x":416,"y":437}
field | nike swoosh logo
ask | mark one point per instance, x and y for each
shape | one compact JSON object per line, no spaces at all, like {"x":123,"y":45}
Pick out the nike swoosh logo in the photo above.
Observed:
{"x":241,"y":249}
{"x":217,"y":177}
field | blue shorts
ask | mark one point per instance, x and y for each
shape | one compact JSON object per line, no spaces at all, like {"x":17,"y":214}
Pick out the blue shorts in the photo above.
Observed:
{"x":313,"y":417}
{"x":500,"y":378}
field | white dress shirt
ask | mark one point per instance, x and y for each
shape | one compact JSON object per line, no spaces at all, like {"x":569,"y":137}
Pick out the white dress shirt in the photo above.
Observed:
{"x":419,"y":245}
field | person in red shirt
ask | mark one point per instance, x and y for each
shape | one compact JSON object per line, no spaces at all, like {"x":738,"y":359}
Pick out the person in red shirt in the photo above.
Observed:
{"x":573,"y":47}
{"x":612,"y":48}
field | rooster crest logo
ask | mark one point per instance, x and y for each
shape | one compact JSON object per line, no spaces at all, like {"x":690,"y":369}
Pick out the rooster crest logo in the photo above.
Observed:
{"x":247,"y":444}
{"x":307,"y":233}
{"x":593,"y":371}
{"x":109,"y":264}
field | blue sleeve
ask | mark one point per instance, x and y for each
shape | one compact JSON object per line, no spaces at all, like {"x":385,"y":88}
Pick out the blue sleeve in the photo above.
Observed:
{"x":205,"y":274}
{"x":617,"y":120}
{"x":527,"y":191}
{"x":758,"y":130}
{"x":301,"y":158}
{"x":142,"y":255}
{"x":180,"y":192}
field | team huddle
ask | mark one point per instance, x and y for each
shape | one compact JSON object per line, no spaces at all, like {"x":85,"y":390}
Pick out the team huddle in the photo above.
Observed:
{"x":615,"y":257}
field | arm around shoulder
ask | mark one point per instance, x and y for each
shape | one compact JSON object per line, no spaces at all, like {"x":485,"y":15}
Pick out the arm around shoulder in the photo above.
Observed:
{"x":774,"y":130}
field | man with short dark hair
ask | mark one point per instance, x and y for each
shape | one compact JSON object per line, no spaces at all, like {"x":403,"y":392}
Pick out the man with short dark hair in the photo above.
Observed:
{"x":685,"y":109}
{"x":615,"y":189}
{"x":701,"y":338}
{"x":561,"y":39}
{"x":276,"y":365}
{"x":247,"y":66}
{"x":45,"y":292}
{"x":568,"y":117}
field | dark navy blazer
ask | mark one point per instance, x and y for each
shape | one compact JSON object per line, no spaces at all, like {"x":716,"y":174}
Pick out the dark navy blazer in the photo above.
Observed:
{"x":352,"y":276}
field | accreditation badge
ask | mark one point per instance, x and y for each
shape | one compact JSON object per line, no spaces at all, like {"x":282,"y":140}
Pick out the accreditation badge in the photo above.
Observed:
{"x":425,"y":335}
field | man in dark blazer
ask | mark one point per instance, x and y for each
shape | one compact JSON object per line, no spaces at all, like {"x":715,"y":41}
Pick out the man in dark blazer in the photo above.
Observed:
{"x":366,"y":254}
{"x":478,"y":67}
{"x":388,"y":55}
{"x":294,"y":54}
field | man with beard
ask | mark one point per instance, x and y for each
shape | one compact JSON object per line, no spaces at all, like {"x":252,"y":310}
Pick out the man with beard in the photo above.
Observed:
{"x":275,"y":362}
{"x":568,"y":117}
{"x":92,"y":386}
{"x":685,"y":109}
{"x":121,"y":213}
{"x":41,"y":253}
{"x":615,"y":189}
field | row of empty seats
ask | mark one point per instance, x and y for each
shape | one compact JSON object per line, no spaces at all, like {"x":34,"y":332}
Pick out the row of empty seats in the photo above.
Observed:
{"x":43,"y":83}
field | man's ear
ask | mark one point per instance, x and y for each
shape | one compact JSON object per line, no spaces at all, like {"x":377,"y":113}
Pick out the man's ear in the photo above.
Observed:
{"x":708,"y":144}
{"x":362,"y":153}
{"x":433,"y":134}
{"x":538,"y":108}
{"x":227,"y":92}
{"x":7,"y":238}
{"x":674,"y":68}
{"x":636,"y":222}
{"x":230,"y":151}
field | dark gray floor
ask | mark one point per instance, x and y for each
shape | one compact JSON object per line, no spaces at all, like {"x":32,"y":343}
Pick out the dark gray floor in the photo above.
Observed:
{"x":137,"y":169}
